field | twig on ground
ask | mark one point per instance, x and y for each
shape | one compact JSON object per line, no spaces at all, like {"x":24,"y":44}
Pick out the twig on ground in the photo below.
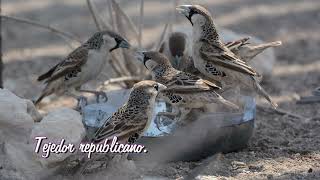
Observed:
{"x":281,"y":112}
{"x":315,"y":98}
{"x":141,"y":22}
{"x":309,"y":100}
{"x":94,"y":15}
{"x":66,"y":36}
{"x":123,"y":79}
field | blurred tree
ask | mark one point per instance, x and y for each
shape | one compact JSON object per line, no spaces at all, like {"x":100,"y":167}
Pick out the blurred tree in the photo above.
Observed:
{"x":1,"y":64}
{"x":1,"y":67}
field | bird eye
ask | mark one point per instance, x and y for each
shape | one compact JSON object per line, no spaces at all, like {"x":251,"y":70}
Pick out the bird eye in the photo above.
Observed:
{"x":117,"y":40}
{"x":156,"y":87}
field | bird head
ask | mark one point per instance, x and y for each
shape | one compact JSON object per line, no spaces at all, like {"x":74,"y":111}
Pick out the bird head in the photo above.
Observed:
{"x":177,"y":47}
{"x":153,"y":59}
{"x":147,"y":87}
{"x":196,"y":14}
{"x":114,"y":41}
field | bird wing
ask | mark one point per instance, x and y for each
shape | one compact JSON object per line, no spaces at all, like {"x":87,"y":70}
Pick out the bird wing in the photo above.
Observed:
{"x":72,"y":62}
{"x":120,"y":124}
{"x":238,"y":43}
{"x":222,"y":56}
{"x":186,"y":82}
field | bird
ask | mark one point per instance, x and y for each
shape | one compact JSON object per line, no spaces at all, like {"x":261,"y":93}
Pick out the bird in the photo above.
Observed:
{"x":184,"y":90}
{"x":81,"y":65}
{"x":134,"y":117}
{"x":128,"y":123}
{"x":214,"y":60}
{"x":177,"y":49}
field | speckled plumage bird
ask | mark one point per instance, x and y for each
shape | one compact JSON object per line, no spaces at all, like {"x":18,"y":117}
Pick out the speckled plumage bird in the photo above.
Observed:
{"x":132,"y":119}
{"x":175,"y":48}
{"x":81,"y":65}
{"x":127,"y":124}
{"x":184,"y":90}
{"x":178,"y":49}
{"x":213,"y":59}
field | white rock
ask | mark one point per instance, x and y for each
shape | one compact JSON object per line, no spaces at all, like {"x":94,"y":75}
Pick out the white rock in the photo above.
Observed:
{"x":19,"y":157}
{"x":33,"y":112}
{"x":59,"y":124}
{"x":263,"y":63}
{"x":15,"y":122}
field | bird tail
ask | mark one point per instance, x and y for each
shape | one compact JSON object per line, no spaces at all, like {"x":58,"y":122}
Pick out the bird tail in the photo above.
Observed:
{"x":263,"y":93}
{"x":46,"y":92}
{"x":36,"y":102}
{"x":236,"y":44}
{"x":261,"y":47}
{"x":229,"y":104}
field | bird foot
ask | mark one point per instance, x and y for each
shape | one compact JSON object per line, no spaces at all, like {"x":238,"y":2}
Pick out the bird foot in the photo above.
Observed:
{"x":82,"y":102}
{"x":101,"y":95}
{"x":170,"y":115}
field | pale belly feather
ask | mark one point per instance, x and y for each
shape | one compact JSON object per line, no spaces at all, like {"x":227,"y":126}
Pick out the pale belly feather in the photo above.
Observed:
{"x":89,"y":71}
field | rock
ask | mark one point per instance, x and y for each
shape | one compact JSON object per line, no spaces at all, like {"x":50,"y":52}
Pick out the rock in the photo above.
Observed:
{"x":263,"y":63}
{"x":18,"y":158}
{"x":33,"y":112}
{"x":62,"y":123}
{"x":15,"y":122}
{"x":21,"y":86}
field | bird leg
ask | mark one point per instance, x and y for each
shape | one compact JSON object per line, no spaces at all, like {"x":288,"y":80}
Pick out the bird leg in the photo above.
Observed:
{"x":98,"y":94}
{"x":170,"y":115}
{"x":183,"y":114}
{"x":82,"y":101}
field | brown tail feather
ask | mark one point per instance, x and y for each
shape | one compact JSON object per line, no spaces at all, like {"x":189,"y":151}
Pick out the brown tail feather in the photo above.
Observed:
{"x":263,"y":93}
{"x":39,"y":99}
{"x":260,"y":48}
{"x":229,"y":104}
{"x":47,"y":74}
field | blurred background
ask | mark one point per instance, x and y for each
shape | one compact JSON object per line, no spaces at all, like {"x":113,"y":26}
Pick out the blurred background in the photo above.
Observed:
{"x":282,"y":146}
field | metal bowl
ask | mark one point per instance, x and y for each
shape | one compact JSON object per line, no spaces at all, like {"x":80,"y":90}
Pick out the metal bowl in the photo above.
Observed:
{"x":208,"y":134}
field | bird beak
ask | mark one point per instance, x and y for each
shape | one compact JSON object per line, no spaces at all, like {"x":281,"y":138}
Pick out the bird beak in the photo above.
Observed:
{"x":124,"y":44}
{"x":140,"y":56}
{"x":161,"y":87}
{"x":184,"y":9}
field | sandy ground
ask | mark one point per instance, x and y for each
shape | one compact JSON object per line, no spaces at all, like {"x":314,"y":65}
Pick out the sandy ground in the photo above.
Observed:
{"x":282,"y":147}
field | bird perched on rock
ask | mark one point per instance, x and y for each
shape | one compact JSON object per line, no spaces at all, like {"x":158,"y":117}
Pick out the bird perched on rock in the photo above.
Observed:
{"x":213,"y":59}
{"x":127,"y":124}
{"x":184,"y":90}
{"x":81,"y":65}
{"x":132,"y":119}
